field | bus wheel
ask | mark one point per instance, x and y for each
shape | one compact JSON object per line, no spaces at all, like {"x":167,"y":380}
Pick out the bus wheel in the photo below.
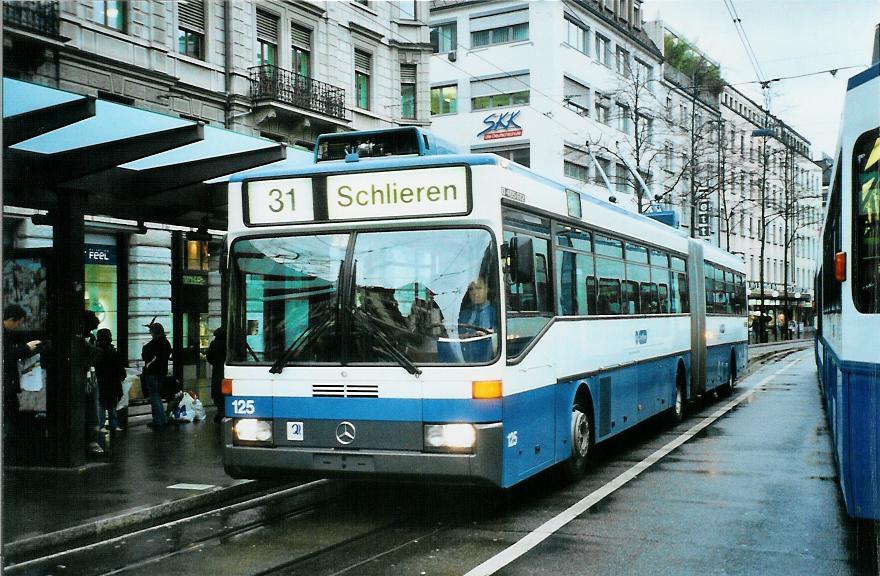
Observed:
{"x":727,"y":388}
{"x":676,"y":413}
{"x":581,"y":441}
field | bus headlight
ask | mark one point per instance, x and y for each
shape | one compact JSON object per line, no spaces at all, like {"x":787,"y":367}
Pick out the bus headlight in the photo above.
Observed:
{"x":450,"y":437}
{"x":252,"y":430}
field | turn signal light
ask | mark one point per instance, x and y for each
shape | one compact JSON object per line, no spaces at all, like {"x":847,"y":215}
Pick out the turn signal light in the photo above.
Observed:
{"x":840,"y":266}
{"x":483,"y":389}
{"x":226,"y":386}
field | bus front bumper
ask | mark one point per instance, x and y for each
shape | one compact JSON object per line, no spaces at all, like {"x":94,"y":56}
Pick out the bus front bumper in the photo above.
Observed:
{"x":482,"y":467}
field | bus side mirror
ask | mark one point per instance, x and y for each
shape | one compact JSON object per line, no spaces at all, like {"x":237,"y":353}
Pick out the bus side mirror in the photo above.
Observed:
{"x":522,"y":260}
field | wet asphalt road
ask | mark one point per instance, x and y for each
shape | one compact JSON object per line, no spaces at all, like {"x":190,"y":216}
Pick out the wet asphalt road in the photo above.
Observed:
{"x":752,"y":493}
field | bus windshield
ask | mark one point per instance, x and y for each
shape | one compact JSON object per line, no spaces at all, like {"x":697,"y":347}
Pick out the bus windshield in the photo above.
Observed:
{"x":428,"y":295}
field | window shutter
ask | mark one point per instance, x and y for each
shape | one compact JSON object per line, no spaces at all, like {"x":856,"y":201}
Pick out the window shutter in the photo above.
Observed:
{"x":267,"y":27}
{"x":191,"y":14}
{"x":479,"y":23}
{"x":504,"y":85}
{"x":302,"y":37}
{"x":362,"y":61}
{"x":407,"y":74}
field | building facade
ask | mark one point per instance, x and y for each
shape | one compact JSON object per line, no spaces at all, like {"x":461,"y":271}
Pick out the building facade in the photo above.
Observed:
{"x":282,"y":70}
{"x":604,"y":101}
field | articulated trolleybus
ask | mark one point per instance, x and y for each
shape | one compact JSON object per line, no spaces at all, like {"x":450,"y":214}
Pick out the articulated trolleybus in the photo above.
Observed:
{"x":848,"y":298}
{"x":399,"y":312}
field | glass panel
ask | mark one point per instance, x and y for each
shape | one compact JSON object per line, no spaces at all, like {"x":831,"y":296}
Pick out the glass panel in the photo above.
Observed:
{"x":572,"y":271}
{"x":866,"y":237}
{"x":362,"y":88}
{"x":636,"y":253}
{"x":610,"y":273}
{"x":284,"y":290}
{"x":432,"y":294}
{"x":606,"y":246}
{"x":573,"y":238}
{"x":408,"y":100}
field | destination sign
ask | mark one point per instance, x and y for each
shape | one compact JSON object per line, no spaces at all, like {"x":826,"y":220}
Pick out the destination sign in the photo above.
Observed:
{"x":280,"y":201}
{"x":400,"y":193}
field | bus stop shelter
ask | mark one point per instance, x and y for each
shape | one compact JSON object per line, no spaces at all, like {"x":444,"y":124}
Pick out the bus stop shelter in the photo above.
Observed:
{"x":68,"y":156}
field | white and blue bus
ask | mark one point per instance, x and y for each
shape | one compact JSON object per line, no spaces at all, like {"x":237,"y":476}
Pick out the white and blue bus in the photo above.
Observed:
{"x":848,"y":299}
{"x":398,"y":312}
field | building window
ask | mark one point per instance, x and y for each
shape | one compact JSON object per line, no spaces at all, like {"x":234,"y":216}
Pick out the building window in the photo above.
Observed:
{"x":645,"y":75}
{"x":407,"y":9}
{"x":499,"y":92}
{"x":603,"y":167}
{"x":191,"y":28}
{"x":444,"y":99}
{"x":362,"y":67}
{"x":443,"y":38}
{"x":623,"y":66}
{"x":624,"y":123}
{"x":196,"y":255}
{"x":301,"y":50}
{"x":576,"y":96}
{"x":602,"y":113}
{"x":267,"y":39}
{"x":577,"y":35}
{"x":110,"y":13}
{"x":623,"y":178}
{"x":668,"y":154}
{"x":575,"y":164}
{"x":520,"y":154}
{"x":502,"y":35}
{"x":603,"y":50}
{"x":408,"y":91}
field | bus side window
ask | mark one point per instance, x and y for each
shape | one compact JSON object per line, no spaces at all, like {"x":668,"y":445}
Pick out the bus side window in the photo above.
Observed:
{"x":631,"y":297}
{"x":663,"y":298}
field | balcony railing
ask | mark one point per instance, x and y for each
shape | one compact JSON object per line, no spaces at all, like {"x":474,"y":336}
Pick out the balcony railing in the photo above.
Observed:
{"x":39,"y":17}
{"x":272,"y":82}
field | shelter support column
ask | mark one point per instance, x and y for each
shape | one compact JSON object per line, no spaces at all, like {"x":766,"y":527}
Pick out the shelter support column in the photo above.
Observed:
{"x":66,"y":402}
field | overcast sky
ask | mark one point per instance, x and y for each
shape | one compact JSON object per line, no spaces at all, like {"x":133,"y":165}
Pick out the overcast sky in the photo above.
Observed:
{"x":789,"y":37}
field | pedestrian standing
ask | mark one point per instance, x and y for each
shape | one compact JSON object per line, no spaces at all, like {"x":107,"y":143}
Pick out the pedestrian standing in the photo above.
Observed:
{"x":93,"y":395}
{"x":13,"y":351}
{"x":216,"y":356}
{"x":110,"y":371}
{"x":156,"y":353}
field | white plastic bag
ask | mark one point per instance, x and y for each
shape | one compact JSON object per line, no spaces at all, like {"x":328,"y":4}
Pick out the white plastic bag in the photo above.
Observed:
{"x":185,"y":411}
{"x":199,"y":410}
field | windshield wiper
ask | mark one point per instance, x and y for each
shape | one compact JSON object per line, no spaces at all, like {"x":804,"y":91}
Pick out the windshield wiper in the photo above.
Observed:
{"x":382,"y":339}
{"x":306,"y":336}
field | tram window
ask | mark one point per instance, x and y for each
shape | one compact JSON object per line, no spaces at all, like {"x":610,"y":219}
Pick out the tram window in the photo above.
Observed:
{"x":678,"y":264}
{"x":631,"y":297}
{"x":866,"y":223}
{"x":663,"y":298}
{"x":610,"y":273}
{"x":680,"y":286}
{"x":832,"y":244}
{"x":573,"y":238}
{"x":606,"y":246}
{"x":572,"y":268}
{"x":592,"y":294}
{"x":709,"y":276}
{"x":636,"y":253}
{"x":659,"y":258}
{"x":637,"y":275}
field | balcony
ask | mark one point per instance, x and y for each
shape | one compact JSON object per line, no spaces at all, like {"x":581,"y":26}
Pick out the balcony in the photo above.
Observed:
{"x":273,"y":83}
{"x":35,"y":17}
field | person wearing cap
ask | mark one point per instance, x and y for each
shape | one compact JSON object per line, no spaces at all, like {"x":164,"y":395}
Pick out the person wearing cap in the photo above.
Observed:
{"x":156,"y":354}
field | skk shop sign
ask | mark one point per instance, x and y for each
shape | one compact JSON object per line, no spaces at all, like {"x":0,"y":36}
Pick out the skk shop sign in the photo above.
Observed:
{"x":501,"y":125}
{"x":704,"y":218}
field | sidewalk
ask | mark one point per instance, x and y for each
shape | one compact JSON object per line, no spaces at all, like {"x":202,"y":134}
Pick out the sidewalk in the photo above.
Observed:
{"x":149,"y":475}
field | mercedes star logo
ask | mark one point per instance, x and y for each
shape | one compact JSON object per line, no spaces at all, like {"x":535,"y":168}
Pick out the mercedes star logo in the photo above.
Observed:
{"x":345,"y":433}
